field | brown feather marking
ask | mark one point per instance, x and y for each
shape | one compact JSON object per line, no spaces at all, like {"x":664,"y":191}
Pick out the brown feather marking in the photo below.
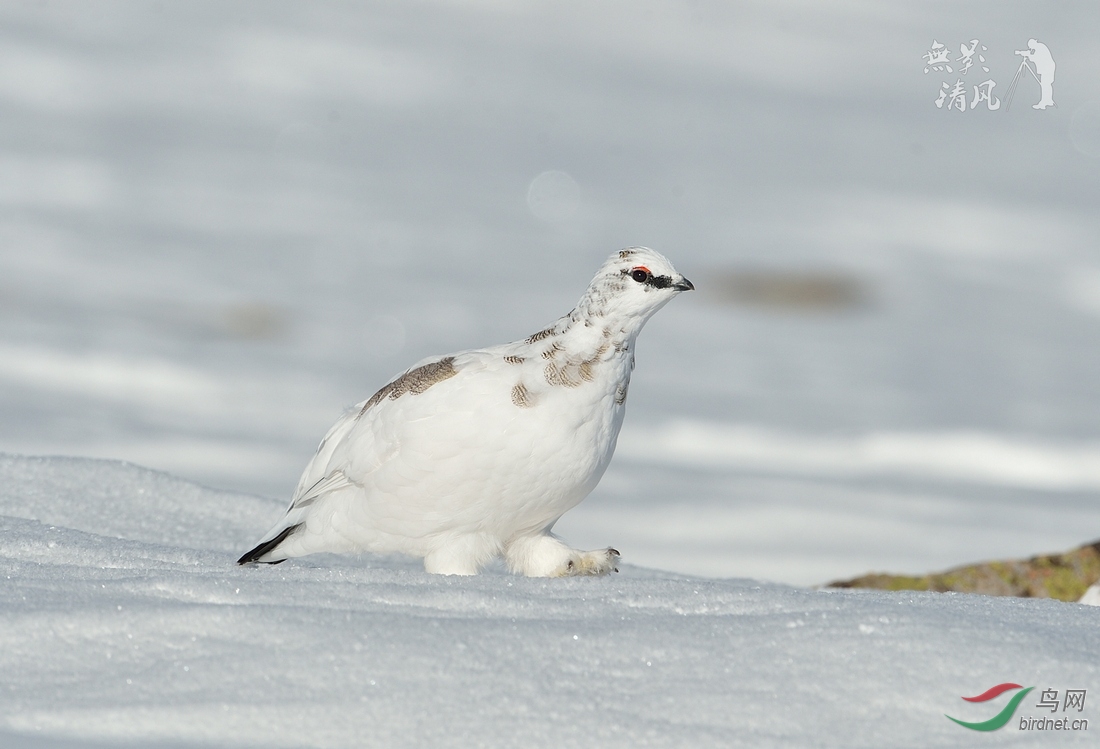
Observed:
{"x":562,"y":375}
{"x":522,"y":397}
{"x":514,"y":359}
{"x":551,"y":352}
{"x":620,"y":394}
{"x":551,"y":373}
{"x":536,"y":337}
{"x":415,"y":381}
{"x":587,"y":367}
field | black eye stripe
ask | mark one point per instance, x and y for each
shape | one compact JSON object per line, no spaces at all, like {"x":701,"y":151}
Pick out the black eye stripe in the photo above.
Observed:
{"x":641,"y":276}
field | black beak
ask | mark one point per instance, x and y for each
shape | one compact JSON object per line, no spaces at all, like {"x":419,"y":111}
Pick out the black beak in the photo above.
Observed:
{"x":684,"y":285}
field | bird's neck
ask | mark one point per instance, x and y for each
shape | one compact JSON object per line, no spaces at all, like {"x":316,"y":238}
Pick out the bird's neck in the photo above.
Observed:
{"x":596,"y":337}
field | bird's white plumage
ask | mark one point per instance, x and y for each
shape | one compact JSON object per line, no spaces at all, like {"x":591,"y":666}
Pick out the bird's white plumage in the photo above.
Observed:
{"x":473,"y":455}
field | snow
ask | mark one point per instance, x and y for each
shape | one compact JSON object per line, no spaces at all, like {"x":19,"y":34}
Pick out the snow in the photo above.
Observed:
{"x":123,"y":621}
{"x":221,"y":224}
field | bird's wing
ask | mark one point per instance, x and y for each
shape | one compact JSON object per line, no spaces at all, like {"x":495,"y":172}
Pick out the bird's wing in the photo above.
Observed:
{"x":371,"y":434}
{"x":317,"y":480}
{"x":394,"y":448}
{"x":313,"y":481}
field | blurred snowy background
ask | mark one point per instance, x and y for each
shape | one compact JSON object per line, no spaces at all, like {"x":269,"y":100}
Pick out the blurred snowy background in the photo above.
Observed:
{"x":222,"y":223}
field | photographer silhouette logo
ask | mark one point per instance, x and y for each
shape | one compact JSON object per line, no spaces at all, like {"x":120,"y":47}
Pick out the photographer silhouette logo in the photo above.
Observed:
{"x":1040,"y":64}
{"x":1037,"y":64}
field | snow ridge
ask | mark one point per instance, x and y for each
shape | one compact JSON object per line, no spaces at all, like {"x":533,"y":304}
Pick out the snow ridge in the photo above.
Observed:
{"x":124,"y":619}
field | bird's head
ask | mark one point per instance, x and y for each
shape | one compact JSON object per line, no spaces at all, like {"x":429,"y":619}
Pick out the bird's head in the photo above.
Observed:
{"x":632,"y":285}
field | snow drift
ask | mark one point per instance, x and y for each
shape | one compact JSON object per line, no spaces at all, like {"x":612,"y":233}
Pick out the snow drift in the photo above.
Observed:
{"x":123,"y":621}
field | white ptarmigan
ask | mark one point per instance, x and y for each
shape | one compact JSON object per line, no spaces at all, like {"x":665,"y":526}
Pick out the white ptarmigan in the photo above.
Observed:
{"x":475,"y":455}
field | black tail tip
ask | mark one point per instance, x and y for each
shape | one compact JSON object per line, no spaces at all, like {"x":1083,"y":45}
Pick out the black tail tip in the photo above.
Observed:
{"x":253,"y":556}
{"x":250,"y":558}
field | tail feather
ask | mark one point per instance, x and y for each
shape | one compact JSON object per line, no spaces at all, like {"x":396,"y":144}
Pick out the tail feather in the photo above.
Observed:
{"x":253,"y":556}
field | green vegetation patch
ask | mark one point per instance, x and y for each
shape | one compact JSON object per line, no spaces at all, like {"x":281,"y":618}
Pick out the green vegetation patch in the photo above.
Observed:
{"x":1064,"y":577}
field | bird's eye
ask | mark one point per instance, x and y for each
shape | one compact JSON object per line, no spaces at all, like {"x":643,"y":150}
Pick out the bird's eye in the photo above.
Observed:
{"x":641,"y":275}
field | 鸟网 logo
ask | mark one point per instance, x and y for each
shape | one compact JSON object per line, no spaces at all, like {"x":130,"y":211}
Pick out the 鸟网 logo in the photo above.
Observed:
{"x":1001,"y":718}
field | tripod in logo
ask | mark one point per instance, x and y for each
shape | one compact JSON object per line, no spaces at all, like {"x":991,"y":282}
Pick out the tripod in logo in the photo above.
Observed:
{"x":1001,"y":718}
